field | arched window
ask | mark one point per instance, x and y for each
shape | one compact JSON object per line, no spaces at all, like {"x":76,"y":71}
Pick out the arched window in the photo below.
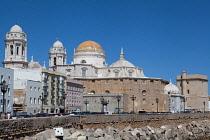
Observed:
{"x":54,"y":61}
{"x":17,"y":50}
{"x":84,"y":71}
{"x":23,"y":50}
{"x":68,"y":75}
{"x":83,"y":61}
{"x":130,"y":72}
{"x":107,"y":92}
{"x":143,"y":92}
{"x":93,"y":92}
{"x":11,"y":49}
{"x":116,"y":73}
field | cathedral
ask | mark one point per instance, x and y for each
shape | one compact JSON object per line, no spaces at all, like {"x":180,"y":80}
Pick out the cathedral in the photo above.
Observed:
{"x":121,"y":77}
{"x":139,"y":92}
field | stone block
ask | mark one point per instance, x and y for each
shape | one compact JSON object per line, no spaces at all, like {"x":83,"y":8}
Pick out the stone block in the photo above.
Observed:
{"x":75,"y":134}
{"x":81,"y":138}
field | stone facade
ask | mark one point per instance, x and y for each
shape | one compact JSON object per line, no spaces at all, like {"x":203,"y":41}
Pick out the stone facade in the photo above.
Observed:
{"x":16,"y":48}
{"x":195,"y":89}
{"x":110,"y":103}
{"x":57,"y":55}
{"x":146,"y":90}
{"x":14,"y":129}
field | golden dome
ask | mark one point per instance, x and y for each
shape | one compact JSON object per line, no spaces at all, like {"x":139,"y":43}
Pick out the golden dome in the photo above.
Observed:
{"x":89,"y":46}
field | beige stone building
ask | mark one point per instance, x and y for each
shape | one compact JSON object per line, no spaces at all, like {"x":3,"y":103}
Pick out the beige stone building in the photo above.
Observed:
{"x":146,"y":90}
{"x":195,"y":89}
{"x":54,"y":86}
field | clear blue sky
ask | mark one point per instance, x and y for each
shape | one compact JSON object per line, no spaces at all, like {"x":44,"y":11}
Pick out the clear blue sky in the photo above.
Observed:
{"x":163,"y":37}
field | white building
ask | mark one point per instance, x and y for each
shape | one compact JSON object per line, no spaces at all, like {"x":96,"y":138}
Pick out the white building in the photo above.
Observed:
{"x":16,"y":48}
{"x":7,"y":75}
{"x":177,"y":101}
{"x":90,"y":62}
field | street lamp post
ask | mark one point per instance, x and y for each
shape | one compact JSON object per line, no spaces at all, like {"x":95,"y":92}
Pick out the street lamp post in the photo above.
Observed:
{"x":4,"y":88}
{"x":86,"y":102}
{"x":64,"y":99}
{"x":133,"y":98}
{"x":184,"y":100}
{"x":157,"y":101}
{"x":118,"y":100}
{"x":42,"y":99}
{"x":102,"y":103}
{"x":204,"y":103}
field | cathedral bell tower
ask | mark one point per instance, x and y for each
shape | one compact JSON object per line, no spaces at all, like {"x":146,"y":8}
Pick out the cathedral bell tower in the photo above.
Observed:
{"x":15,"y":48}
{"x":57,"y":55}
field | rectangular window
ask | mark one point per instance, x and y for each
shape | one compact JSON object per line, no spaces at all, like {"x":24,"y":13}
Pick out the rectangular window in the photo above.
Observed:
{"x":8,"y":91}
{"x":2,"y":78}
{"x":8,"y":79}
{"x":116,"y":74}
{"x":83,"y":72}
{"x":8,"y":104}
{"x":143,"y":81}
{"x":17,"y":50}
{"x":130,"y":74}
{"x":31,"y":100}
{"x":188,"y":91}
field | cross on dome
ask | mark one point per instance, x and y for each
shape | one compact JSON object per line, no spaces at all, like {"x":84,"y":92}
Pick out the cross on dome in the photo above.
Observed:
{"x":122,"y":55}
{"x":32,"y":58}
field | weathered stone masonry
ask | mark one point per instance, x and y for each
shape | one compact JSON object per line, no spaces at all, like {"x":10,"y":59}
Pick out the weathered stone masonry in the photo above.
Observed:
{"x":26,"y":127}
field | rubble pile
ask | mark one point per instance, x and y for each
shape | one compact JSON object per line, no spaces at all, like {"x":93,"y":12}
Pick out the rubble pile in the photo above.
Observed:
{"x":193,"y":130}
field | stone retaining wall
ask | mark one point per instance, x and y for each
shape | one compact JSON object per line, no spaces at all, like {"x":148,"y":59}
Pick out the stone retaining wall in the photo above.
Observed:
{"x":22,"y":127}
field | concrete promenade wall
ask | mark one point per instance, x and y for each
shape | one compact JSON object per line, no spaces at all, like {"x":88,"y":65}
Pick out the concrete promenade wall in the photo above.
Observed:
{"x":30,"y":126}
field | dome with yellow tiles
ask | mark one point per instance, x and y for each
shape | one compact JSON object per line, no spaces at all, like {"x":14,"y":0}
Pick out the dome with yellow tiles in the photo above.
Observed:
{"x":89,"y":46}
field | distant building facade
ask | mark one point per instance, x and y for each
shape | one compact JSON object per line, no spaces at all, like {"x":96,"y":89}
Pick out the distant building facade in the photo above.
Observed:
{"x":176,"y":99}
{"x":27,"y":96}
{"x":7,"y":75}
{"x":54,"y":89}
{"x":195,"y":89}
{"x":89,"y":67}
{"x":74,"y":95}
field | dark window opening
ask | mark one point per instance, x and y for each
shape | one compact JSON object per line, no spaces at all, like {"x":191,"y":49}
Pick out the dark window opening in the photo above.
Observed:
{"x":11,"y":49}
{"x":17,"y":50}
{"x":54,"y":61}
{"x":107,"y":92}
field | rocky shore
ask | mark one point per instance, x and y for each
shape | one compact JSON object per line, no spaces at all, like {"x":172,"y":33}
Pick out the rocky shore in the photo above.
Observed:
{"x":195,"y":130}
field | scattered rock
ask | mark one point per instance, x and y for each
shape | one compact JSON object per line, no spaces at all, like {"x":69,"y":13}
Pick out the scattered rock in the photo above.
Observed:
{"x":192,"y":130}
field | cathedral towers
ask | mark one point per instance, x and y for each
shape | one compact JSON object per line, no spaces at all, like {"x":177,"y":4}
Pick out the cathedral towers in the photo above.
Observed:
{"x":57,"y":55}
{"x":15,"y":48}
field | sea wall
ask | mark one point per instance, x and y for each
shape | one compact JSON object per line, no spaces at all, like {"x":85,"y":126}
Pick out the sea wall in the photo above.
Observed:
{"x":11,"y":129}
